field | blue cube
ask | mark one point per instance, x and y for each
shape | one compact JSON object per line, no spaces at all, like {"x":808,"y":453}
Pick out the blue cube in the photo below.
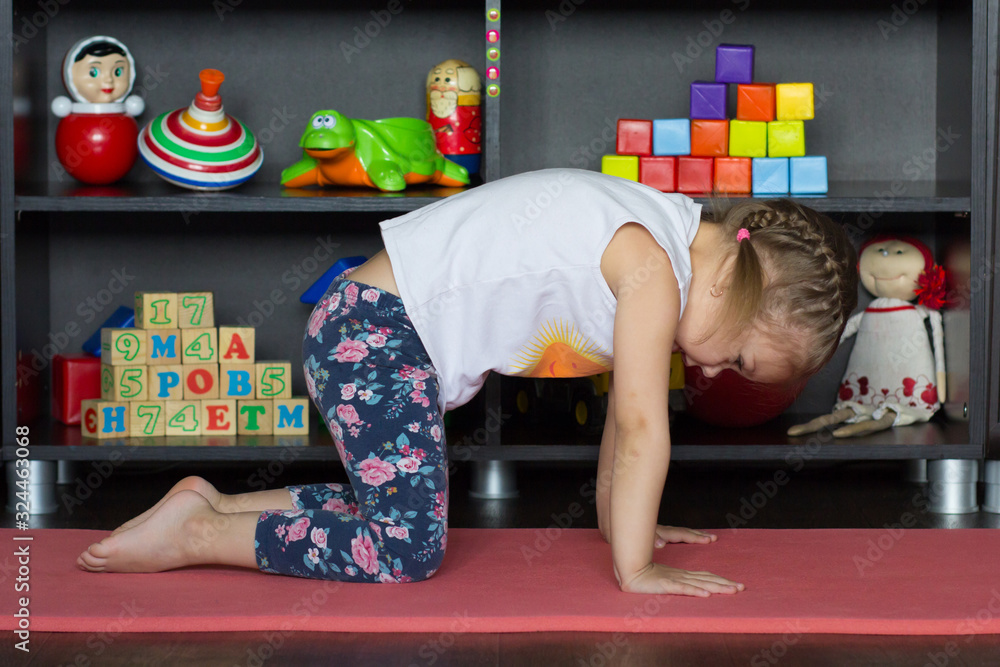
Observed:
{"x":122,"y":318}
{"x":708,"y":100}
{"x":672,"y":136}
{"x":734,"y":63}
{"x":316,"y":291}
{"x":807,"y":175}
{"x":770,"y":175}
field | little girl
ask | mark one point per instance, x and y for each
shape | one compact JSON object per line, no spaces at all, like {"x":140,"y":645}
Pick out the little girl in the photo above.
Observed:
{"x":554,"y":273}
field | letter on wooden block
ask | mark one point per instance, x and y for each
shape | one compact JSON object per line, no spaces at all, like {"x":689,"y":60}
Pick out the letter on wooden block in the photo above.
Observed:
{"x":237,"y":381}
{"x":156,"y":310}
{"x":166,"y":383}
{"x":124,"y":383}
{"x":201,"y":381}
{"x":195,"y":310}
{"x":147,"y":418}
{"x":236,"y":345}
{"x":255,"y":417}
{"x":274,"y":379}
{"x":200,"y":346}
{"x":218,"y":417}
{"x":183,"y":418}
{"x":123,"y":347}
{"x":104,"y":419}
{"x":163,"y":346}
{"x":291,"y":416}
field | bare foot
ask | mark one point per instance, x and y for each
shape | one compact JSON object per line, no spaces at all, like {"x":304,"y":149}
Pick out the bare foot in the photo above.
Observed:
{"x":198,"y":484}
{"x":173,"y":536}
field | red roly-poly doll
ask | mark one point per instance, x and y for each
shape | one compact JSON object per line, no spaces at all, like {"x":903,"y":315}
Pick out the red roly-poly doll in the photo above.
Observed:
{"x":96,"y":140}
{"x":453,"y":110}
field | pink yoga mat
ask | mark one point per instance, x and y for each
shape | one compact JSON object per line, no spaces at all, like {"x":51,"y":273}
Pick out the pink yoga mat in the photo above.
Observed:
{"x":942,"y":582}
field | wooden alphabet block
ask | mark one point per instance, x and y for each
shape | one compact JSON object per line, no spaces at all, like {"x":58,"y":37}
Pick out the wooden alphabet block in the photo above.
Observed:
{"x":183,"y":418}
{"x":236,"y":345}
{"x":255,"y":417}
{"x":274,"y":379}
{"x":147,"y":419}
{"x":163,"y":346}
{"x":124,"y":383}
{"x":104,"y":419}
{"x":195,"y":310}
{"x":200,"y":346}
{"x":237,"y":381}
{"x":123,"y":347}
{"x":218,"y":417}
{"x":201,"y":381}
{"x":291,"y":416}
{"x":166,"y":382}
{"x":156,"y":310}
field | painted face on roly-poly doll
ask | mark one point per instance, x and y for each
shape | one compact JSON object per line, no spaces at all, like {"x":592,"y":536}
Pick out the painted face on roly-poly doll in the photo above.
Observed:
{"x":891,"y":268}
{"x":101,"y":79}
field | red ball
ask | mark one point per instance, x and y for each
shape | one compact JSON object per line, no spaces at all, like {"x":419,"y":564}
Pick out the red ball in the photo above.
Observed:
{"x":731,"y":400}
{"x":97,"y":148}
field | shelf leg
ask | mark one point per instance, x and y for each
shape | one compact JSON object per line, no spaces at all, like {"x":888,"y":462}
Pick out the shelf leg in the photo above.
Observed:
{"x":494,"y":480}
{"x":41,"y":491}
{"x":991,"y":486}
{"x":952,"y":486}
{"x":915,"y":471}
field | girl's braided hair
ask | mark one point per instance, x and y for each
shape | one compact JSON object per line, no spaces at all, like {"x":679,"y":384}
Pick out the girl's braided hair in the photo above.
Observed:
{"x":797,"y":270}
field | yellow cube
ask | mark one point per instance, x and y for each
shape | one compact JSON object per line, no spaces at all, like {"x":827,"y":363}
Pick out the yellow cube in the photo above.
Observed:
{"x":624,"y":166}
{"x":121,"y":347}
{"x":794,"y":101}
{"x":786,"y":138}
{"x":156,"y":310}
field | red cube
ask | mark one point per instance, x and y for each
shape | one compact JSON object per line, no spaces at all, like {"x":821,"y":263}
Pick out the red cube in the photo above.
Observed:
{"x":659,"y":172}
{"x":694,"y":174}
{"x":733,"y":175}
{"x":635,"y":137}
{"x":75,"y":377}
{"x":710,"y":138}
{"x":755,"y":101}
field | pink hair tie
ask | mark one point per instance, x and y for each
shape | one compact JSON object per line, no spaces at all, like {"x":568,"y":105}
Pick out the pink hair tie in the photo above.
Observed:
{"x":744,"y":233}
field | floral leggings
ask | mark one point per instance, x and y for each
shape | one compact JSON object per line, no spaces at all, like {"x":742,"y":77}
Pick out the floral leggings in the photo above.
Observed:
{"x":372,"y":381}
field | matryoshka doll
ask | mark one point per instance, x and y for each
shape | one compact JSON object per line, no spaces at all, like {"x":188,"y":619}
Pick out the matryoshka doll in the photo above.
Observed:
{"x":453,"y":110}
{"x":96,"y":138}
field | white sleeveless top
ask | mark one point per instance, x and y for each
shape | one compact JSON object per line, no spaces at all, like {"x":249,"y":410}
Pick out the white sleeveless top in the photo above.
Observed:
{"x":507,"y":276}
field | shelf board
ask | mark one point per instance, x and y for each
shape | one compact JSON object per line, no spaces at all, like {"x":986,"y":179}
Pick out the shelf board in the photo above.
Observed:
{"x":846,"y":196}
{"x":693,"y":441}
{"x":251,"y":197}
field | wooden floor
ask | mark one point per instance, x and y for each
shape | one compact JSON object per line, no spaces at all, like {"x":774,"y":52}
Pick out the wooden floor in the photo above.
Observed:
{"x":846,"y":495}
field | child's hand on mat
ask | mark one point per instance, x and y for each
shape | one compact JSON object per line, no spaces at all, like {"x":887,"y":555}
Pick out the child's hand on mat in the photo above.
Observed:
{"x":656,"y":578}
{"x":674,"y":535}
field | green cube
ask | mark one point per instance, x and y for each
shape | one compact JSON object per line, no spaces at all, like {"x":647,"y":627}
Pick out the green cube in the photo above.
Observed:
{"x":747,"y":138}
{"x":625,"y":166}
{"x":786,"y":138}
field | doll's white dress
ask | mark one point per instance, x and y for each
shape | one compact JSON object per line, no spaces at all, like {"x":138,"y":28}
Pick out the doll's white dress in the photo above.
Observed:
{"x":894,"y":363}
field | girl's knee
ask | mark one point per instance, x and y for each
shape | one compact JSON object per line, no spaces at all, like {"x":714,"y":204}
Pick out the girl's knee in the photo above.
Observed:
{"x":421,"y":565}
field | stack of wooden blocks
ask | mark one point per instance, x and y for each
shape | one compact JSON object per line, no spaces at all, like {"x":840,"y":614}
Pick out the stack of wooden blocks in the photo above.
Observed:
{"x":762,"y":150}
{"x":175,"y":373}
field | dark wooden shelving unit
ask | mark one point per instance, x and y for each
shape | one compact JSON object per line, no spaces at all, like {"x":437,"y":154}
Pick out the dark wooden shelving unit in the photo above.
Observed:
{"x":886,"y":100}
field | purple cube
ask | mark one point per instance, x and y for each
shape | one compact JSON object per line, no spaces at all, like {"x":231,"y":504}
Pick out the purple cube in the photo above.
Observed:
{"x":708,"y":100}
{"x":734,"y":63}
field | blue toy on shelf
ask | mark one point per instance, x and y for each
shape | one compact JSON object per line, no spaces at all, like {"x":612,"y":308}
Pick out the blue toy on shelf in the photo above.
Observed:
{"x":122,"y":318}
{"x":319,"y":288}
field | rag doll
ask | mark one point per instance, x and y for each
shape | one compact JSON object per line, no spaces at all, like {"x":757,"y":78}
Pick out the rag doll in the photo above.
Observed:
{"x":895,"y":375}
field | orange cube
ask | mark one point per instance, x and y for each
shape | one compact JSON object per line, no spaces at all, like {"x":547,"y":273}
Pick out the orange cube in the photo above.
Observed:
{"x":659,"y":172}
{"x":733,"y":175}
{"x":710,"y":138}
{"x":694,"y":174}
{"x":755,"y":101}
